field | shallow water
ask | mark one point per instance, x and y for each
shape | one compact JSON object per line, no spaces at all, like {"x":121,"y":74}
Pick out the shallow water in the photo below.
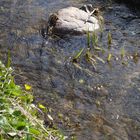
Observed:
{"x":85,"y":103}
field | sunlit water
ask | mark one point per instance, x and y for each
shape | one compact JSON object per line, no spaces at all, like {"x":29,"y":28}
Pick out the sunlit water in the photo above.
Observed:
{"x":87,"y":103}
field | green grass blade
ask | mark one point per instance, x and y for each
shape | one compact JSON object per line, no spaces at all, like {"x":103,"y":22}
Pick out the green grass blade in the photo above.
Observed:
{"x":9,"y":59}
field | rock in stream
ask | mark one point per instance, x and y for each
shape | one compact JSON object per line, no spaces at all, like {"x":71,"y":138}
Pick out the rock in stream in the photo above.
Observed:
{"x":72,"y":20}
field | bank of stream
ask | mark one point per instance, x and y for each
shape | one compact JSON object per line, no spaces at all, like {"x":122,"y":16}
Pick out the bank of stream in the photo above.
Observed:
{"x":86,"y":103}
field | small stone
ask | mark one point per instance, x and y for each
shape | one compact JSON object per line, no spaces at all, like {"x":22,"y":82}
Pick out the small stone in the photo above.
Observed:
{"x":50,"y":117}
{"x":101,"y":86}
{"x":81,"y":81}
{"x":117,"y":117}
{"x":117,"y":58}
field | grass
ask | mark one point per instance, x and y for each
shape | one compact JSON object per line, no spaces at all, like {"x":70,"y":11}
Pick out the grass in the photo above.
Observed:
{"x":109,"y":57}
{"x":18,"y":115}
{"x":91,"y":52}
{"x":109,"y":37}
{"x":122,"y":52}
{"x":77,"y":56}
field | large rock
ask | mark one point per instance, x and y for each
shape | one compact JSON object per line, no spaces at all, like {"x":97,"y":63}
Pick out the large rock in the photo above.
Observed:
{"x":72,"y":20}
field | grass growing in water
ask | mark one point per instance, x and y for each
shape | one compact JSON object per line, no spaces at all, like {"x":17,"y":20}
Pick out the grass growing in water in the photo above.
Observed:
{"x":77,"y":56}
{"x":18,"y":116}
{"x":109,"y":57}
{"x":109,"y":37}
{"x":122,"y":53}
{"x":91,"y":52}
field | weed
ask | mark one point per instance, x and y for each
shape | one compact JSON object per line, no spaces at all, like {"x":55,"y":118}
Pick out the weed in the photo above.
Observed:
{"x":88,"y":39}
{"x":9,"y":59}
{"x":136,"y":57}
{"x":77,"y":56}
{"x":90,"y":53}
{"x":109,"y":57}
{"x":122,"y":53}
{"x":109,"y":37}
{"x":18,"y":116}
{"x":94,"y":39}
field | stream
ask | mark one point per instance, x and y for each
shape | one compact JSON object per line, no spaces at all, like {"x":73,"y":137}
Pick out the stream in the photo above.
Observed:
{"x":86,"y":103}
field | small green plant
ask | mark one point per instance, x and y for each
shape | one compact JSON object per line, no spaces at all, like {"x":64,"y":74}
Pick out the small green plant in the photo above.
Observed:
{"x":125,"y":63}
{"x":109,"y":38}
{"x":136,"y":57}
{"x":90,"y":53}
{"x":94,"y":39}
{"x":88,"y":39}
{"x":77,"y":56}
{"x":122,"y":52}
{"x":18,"y":115}
{"x":109,"y":57}
{"x":90,"y":58}
{"x":9,"y":59}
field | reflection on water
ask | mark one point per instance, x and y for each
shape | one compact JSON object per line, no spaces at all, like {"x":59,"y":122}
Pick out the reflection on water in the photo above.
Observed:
{"x":89,"y":104}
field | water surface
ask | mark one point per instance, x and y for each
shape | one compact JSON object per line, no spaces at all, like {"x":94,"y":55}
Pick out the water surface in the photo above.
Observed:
{"x":85,"y":103}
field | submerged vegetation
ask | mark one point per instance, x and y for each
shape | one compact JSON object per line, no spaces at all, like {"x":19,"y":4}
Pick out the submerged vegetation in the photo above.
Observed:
{"x":18,"y":115}
{"x":93,"y":52}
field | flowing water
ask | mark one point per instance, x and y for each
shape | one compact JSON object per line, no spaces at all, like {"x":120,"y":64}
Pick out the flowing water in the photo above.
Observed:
{"x":85,"y":103}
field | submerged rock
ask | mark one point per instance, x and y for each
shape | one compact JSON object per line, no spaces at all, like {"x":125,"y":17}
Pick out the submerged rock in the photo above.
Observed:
{"x":72,"y":20}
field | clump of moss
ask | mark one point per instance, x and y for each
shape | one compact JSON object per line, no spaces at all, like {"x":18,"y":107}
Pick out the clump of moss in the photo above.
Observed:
{"x":18,"y":116}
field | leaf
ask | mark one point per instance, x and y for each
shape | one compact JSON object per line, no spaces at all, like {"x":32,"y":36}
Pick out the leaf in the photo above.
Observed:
{"x":41,"y":106}
{"x":16,"y":93}
{"x":100,"y":59}
{"x":27,"y":87}
{"x":135,"y":57}
{"x":10,"y":110}
{"x":29,"y":137}
{"x":78,"y":55}
{"x":109,"y":37}
{"x":29,"y":98}
{"x":109,"y":57}
{"x":122,"y":52}
{"x":34,"y":131}
{"x":98,"y":49}
{"x":94,"y":39}
{"x":12,"y":134}
{"x":89,"y":57}
{"x":21,"y":125}
{"x":17,"y":113}
{"x":50,"y":117}
{"x":9,"y":59}
{"x":3,"y":120}
{"x":125,"y":63}
{"x":88,"y":39}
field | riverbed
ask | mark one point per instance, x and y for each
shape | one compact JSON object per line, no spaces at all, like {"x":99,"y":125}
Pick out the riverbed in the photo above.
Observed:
{"x":86,"y":102}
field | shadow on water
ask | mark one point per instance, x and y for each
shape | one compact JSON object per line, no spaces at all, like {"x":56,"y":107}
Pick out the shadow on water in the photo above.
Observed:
{"x":86,"y":103}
